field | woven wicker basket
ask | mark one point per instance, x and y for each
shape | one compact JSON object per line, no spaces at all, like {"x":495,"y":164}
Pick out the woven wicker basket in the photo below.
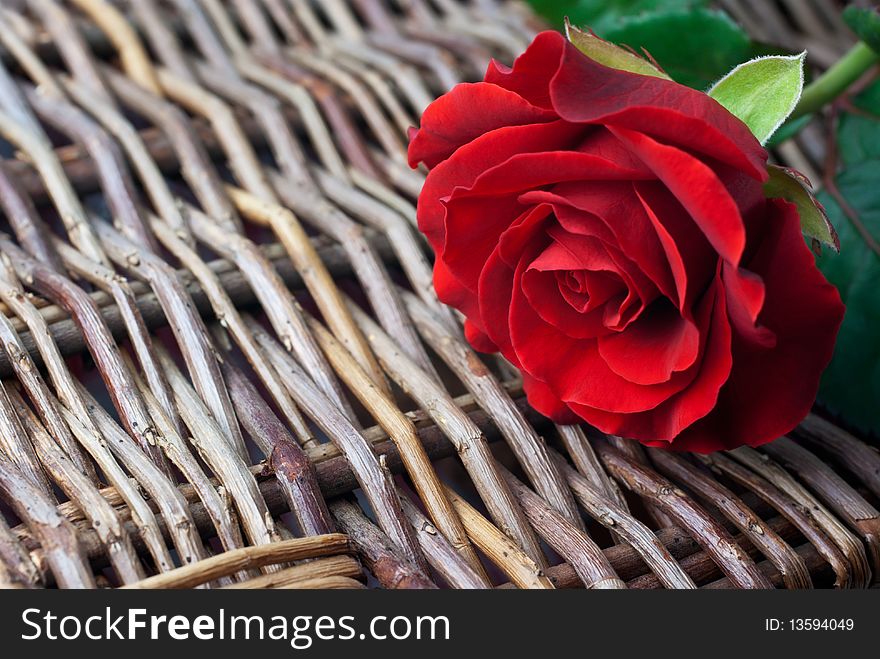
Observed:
{"x":196,"y":394}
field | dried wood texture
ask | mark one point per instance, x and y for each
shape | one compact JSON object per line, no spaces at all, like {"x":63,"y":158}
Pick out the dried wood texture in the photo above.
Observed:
{"x":777,"y":551}
{"x":682,"y":510}
{"x":341,"y":566}
{"x":378,"y":552}
{"x":248,"y":558}
{"x":171,"y":377}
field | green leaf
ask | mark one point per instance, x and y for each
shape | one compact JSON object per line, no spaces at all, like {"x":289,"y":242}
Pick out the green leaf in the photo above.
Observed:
{"x":858,"y":137}
{"x":865,"y":23}
{"x":602,"y":15}
{"x":695,"y":47}
{"x":692,"y":44}
{"x":606,"y":53}
{"x":762,"y":92}
{"x":791,"y":185}
{"x":851,"y":384}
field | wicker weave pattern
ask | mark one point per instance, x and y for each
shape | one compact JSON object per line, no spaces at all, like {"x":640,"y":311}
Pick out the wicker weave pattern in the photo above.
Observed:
{"x":230,"y":328}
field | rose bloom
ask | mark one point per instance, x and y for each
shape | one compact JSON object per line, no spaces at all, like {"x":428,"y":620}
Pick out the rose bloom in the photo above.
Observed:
{"x":608,"y":234}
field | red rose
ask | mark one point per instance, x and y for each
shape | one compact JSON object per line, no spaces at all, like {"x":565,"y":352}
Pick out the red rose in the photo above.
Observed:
{"x":608,"y":234}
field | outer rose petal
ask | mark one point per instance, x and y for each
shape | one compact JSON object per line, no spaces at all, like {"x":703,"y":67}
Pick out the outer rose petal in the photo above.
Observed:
{"x":474,"y":227}
{"x":533,"y":170}
{"x":771,"y":390}
{"x":463,"y":167}
{"x":450,"y":121}
{"x":495,"y":291}
{"x":532,"y":71}
{"x":452,"y":292}
{"x":542,"y":398}
{"x":584,"y":91}
{"x":478,"y":340}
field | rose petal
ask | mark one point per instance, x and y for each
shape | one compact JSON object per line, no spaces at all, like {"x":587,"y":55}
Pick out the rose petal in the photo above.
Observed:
{"x":573,"y":368}
{"x":691,"y":258}
{"x":602,"y":143}
{"x":617,"y":205}
{"x":494,"y":294}
{"x":551,"y":304}
{"x":698,"y":189}
{"x":570,"y":218}
{"x":478,"y":339}
{"x":463,"y":167}
{"x":658,"y":344}
{"x":541,"y":287}
{"x":452,"y":292}
{"x":474,"y":227}
{"x":451,"y":121}
{"x":495,"y":286}
{"x":530,"y":171}
{"x":476,"y":216}
{"x":586,"y":253}
{"x":532,"y":71}
{"x":770,"y":390}
{"x":745,"y":300}
{"x":594,"y":289}
{"x":542,"y":398}
{"x":662,"y":425}
{"x":584,"y":91}
{"x":638,"y":291}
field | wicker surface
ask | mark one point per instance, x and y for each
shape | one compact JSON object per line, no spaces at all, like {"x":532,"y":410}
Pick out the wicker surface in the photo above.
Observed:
{"x":248,"y":367}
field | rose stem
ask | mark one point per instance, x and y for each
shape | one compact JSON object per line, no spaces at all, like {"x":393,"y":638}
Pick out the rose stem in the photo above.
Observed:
{"x":835,"y":80}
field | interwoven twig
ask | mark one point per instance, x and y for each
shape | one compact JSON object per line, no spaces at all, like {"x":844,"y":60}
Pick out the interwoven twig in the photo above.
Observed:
{"x":293,"y":374}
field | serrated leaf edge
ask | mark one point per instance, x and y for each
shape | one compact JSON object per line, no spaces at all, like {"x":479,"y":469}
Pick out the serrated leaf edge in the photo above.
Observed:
{"x":649,"y":61}
{"x":807,"y":186}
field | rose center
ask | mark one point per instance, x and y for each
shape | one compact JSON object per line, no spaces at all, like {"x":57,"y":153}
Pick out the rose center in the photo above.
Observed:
{"x":586,"y":290}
